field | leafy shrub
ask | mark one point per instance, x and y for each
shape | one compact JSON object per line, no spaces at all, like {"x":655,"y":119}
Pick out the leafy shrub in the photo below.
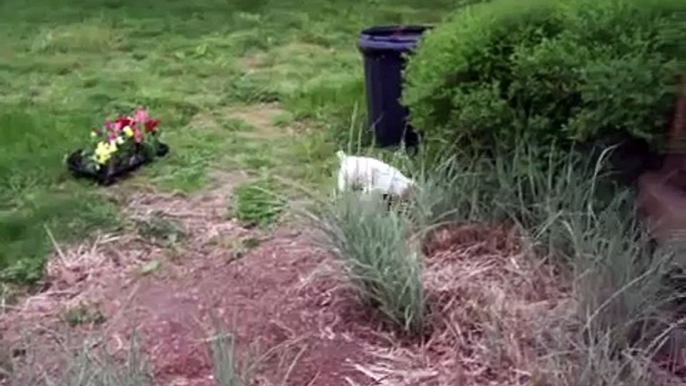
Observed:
{"x":572,"y":70}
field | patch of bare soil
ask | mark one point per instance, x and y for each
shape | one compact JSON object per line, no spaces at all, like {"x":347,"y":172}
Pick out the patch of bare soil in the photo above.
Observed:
{"x":261,"y":116}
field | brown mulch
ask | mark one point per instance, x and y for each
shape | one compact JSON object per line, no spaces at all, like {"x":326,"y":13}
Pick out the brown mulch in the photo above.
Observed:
{"x":272,"y":299}
{"x":288,"y":308}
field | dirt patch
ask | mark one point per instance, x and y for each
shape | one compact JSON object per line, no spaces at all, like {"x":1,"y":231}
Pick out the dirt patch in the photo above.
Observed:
{"x":206,"y":121}
{"x":259,"y":116}
{"x":267,"y":299}
{"x":261,"y":121}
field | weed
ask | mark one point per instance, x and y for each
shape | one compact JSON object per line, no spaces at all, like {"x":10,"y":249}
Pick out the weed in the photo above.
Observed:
{"x":238,"y":125}
{"x":240,"y":248}
{"x":282,"y":120}
{"x":150,"y":267}
{"x":229,"y":369}
{"x":256,"y":204}
{"x":160,"y":232}
{"x":83,"y":314}
{"x":234,"y":367}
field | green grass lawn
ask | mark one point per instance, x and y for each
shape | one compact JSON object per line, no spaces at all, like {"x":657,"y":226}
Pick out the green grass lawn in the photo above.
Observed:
{"x":65,"y":65}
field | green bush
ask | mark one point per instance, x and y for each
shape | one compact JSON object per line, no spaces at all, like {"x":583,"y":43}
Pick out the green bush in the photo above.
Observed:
{"x":568,"y":70}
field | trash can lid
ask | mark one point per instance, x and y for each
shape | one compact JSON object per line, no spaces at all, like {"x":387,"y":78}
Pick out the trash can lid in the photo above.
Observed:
{"x":391,"y":38}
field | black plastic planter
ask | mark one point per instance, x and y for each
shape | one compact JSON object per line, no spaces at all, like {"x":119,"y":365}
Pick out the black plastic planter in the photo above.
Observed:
{"x":107,"y":176}
{"x":384,"y":50}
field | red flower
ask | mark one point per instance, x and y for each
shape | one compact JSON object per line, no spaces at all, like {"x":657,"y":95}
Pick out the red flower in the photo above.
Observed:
{"x":122,"y":122}
{"x":151,"y":125}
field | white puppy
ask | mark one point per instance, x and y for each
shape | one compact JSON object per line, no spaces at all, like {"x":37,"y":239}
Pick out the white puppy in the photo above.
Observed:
{"x":369,"y":174}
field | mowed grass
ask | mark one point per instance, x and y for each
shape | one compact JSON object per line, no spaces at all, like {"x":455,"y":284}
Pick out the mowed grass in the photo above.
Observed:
{"x":65,"y":65}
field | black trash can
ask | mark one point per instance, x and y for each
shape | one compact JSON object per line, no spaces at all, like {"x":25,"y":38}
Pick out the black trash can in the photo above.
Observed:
{"x":384,"y":49}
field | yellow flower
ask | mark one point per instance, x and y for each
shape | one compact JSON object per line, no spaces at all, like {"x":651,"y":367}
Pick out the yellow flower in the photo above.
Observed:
{"x":104,"y":151}
{"x":128,"y":131}
{"x":101,"y":159}
{"x":102,"y":148}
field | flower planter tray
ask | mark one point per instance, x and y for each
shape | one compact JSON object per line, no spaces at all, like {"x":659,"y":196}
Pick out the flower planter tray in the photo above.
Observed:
{"x":107,"y":176}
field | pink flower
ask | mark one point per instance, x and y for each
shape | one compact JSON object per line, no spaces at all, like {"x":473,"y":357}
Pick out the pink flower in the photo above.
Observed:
{"x":137,"y":136}
{"x":141,"y":116}
{"x":109,"y":125}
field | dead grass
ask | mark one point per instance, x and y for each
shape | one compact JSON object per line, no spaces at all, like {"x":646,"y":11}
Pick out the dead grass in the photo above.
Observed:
{"x":494,"y":295}
{"x":260,"y":116}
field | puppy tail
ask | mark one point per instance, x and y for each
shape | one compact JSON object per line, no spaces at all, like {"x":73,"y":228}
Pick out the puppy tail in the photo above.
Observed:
{"x":340,"y":154}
